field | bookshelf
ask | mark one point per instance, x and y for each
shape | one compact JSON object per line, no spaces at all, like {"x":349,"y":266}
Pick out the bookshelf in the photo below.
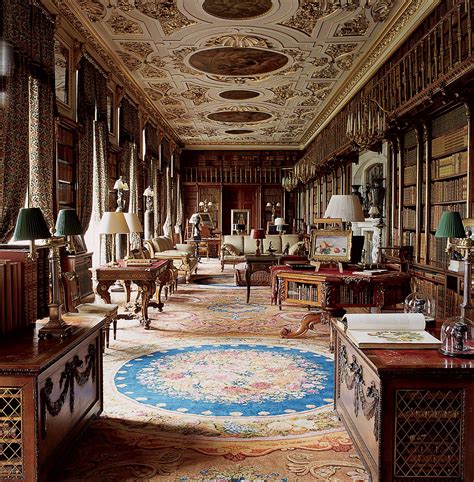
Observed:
{"x":434,"y":178}
{"x":66,"y":166}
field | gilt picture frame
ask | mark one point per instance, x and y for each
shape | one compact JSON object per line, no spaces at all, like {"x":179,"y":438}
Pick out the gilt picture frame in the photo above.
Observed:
{"x":331,"y":246}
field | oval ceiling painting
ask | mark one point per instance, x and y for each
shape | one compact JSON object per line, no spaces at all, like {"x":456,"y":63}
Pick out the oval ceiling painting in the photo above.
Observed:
{"x":237,"y":61}
{"x":239,"y":116}
{"x":237,"y":9}
{"x":238,"y":94}
{"x":238,"y":131}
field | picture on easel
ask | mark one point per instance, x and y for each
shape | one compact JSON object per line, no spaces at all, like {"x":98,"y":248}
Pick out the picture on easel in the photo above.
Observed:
{"x":330,"y":247}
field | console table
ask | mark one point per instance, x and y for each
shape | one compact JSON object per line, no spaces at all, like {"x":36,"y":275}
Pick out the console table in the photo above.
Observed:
{"x":145,"y":277}
{"x":49,"y":390}
{"x":334,"y":292}
{"x":409,"y":412}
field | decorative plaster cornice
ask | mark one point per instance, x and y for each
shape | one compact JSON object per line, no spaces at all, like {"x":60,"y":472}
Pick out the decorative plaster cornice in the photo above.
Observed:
{"x":76,"y":19}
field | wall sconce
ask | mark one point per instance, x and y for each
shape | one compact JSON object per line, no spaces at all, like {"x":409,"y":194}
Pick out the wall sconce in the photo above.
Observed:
{"x":120,"y":186}
{"x":273,"y":205}
{"x":31,"y":225}
{"x":205,"y":206}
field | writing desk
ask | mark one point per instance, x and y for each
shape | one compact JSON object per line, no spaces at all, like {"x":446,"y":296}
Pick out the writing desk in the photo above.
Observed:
{"x":335,"y":292}
{"x":145,"y":277}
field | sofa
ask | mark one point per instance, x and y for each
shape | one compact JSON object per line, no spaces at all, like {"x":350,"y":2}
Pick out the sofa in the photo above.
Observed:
{"x":234,"y":247}
{"x":182,"y":255}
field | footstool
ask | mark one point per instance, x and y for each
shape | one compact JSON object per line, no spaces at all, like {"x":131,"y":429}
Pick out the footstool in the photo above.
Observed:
{"x":260,"y":278}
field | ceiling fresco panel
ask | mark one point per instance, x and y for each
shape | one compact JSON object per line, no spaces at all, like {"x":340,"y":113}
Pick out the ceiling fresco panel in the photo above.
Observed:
{"x":198,"y":63}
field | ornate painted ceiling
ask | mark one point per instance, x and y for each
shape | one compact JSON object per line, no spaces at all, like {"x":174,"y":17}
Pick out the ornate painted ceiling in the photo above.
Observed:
{"x":249,"y":73}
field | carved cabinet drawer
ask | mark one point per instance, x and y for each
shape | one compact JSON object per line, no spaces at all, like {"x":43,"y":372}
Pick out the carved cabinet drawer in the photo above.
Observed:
{"x":358,"y":397}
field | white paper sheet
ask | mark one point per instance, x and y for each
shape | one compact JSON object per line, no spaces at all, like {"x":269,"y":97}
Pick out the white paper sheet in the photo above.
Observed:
{"x":385,"y":321}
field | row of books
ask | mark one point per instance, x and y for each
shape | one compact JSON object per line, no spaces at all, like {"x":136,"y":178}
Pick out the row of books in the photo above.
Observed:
{"x":449,"y":141}
{"x":437,"y":211}
{"x":409,"y":218}
{"x":348,"y":295}
{"x":450,"y":165}
{"x":453,"y":190}
{"x":409,"y":239}
{"x":302,"y":292}
{"x":409,"y":175}
{"x":438,"y":250}
{"x":409,"y":195}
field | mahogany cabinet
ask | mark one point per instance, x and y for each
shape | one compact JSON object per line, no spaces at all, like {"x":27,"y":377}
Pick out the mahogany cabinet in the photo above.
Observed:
{"x":409,"y":413}
{"x":49,"y":390}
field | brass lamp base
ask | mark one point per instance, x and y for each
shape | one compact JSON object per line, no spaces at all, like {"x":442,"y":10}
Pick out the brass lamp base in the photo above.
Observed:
{"x":56,"y":326}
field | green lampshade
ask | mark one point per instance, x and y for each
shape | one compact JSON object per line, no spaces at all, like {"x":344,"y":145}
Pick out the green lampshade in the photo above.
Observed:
{"x":30,"y":224}
{"x":68,"y":224}
{"x":450,"y":226}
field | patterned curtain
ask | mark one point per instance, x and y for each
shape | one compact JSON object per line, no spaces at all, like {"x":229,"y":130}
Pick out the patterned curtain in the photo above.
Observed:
{"x":29,"y":29}
{"x":135,"y":240}
{"x":167,"y":231}
{"x":156,"y":185}
{"x":42,"y":149}
{"x":86,"y":103}
{"x":179,"y":208}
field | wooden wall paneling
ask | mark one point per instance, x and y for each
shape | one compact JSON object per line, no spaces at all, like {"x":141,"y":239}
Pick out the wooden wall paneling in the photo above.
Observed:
{"x":114,"y":174}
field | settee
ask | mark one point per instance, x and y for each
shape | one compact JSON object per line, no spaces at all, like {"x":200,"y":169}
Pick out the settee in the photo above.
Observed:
{"x":182,"y":255}
{"x":234,"y":247}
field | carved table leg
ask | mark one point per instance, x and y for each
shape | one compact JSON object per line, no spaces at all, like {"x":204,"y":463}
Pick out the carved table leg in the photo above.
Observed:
{"x":307,"y":323}
{"x":103,"y":289}
{"x":148,"y":288}
{"x":128,"y":289}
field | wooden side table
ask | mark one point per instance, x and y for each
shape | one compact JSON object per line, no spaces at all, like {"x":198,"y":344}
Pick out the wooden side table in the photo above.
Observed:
{"x":262,"y":262}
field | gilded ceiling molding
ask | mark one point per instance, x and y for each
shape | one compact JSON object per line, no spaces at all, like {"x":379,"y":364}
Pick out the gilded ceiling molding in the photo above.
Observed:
{"x":128,"y":82}
{"x":381,"y":10}
{"x":329,"y":72}
{"x":153,"y":94}
{"x":130,"y":61}
{"x":162,"y":87}
{"x":170,"y":18}
{"x":282,"y":94}
{"x":121,"y":25}
{"x":355,"y":27}
{"x":93,"y":8}
{"x":142,"y":49}
{"x":78,"y":51}
{"x":150,"y":72}
{"x":196,"y":94}
{"x":336,"y":50}
{"x":308,"y":13}
{"x":331,"y":109}
{"x":238,"y":40}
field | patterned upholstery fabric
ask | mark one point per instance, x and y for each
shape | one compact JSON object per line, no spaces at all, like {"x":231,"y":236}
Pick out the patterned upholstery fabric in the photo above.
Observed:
{"x":259,"y":278}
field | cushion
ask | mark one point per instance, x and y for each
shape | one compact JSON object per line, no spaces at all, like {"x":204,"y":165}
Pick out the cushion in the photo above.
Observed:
{"x":236,"y":240}
{"x":297,"y":248}
{"x":275,"y":239}
{"x":232,"y":249}
{"x":164,"y":243}
{"x":188,"y":248}
{"x":250,"y":245}
{"x":290,"y":239}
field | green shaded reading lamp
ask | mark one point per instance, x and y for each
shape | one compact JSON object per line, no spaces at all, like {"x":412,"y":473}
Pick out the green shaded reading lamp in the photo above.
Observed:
{"x":68,"y":224}
{"x":31,"y":225}
{"x":457,"y":333}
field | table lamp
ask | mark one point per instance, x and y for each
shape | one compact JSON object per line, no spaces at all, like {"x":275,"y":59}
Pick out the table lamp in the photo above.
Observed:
{"x":31,"y":225}
{"x":68,"y":224}
{"x":457,"y":333}
{"x":113,"y":222}
{"x":257,"y":234}
{"x":148,"y":194}
{"x":134,"y":225}
{"x":345,"y":206}
{"x":279,"y":223}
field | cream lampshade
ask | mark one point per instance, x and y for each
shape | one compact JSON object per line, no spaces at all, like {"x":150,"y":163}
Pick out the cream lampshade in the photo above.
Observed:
{"x":113,"y":222}
{"x":279,"y":223}
{"x":345,"y":206}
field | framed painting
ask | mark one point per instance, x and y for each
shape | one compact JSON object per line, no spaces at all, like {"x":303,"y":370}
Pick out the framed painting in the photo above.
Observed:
{"x":62,"y":72}
{"x":240,"y":220}
{"x":331,"y":246}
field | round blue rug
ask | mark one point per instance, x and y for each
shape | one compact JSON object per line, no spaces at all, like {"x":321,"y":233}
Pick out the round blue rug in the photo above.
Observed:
{"x":238,"y":380}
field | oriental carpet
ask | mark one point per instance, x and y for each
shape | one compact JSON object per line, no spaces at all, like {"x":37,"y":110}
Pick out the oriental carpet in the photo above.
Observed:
{"x":212,"y":393}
